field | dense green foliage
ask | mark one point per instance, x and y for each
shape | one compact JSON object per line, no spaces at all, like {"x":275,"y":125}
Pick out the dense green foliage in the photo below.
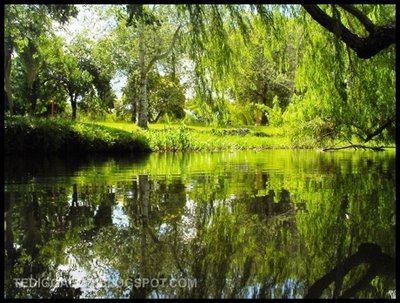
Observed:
{"x":286,"y":66}
{"x":42,"y":136}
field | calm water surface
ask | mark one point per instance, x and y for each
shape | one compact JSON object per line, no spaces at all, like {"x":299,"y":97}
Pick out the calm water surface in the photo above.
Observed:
{"x":209,"y":225}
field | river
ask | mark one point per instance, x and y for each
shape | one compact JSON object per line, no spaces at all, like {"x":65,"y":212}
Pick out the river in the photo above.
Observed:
{"x":196,"y":225}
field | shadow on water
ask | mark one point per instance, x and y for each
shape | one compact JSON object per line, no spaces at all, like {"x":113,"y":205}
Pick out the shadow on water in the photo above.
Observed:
{"x":369,"y":253}
{"x":245,"y":225}
{"x":20,"y":169}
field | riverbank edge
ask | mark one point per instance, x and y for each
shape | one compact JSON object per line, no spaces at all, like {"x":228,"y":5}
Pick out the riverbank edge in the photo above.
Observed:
{"x":24,"y":135}
{"x":43,"y":136}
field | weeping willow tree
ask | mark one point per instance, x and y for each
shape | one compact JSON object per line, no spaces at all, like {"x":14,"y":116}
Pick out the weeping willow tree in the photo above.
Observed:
{"x":335,"y":61}
{"x":343,"y":62}
{"x":343,"y":95}
{"x":264,"y":75}
{"x":207,"y":44}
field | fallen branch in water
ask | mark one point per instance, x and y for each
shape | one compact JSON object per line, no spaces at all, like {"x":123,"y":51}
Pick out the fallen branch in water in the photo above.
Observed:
{"x":355,"y":146}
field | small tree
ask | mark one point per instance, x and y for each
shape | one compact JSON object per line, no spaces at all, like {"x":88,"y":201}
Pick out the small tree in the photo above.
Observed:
{"x":65,"y":70}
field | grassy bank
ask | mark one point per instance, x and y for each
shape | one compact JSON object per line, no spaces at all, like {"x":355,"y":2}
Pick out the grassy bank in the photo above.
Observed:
{"x":44,"y":136}
{"x":196,"y":138}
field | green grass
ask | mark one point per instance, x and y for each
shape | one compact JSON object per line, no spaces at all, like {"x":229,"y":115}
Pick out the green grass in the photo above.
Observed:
{"x":46,"y":136}
{"x":28,"y":135}
{"x":177,"y":137}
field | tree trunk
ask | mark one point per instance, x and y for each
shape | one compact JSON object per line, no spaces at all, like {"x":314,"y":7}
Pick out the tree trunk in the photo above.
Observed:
{"x":143,"y":118}
{"x":31,"y":65}
{"x":158,"y":116}
{"x":72,"y":98}
{"x":74,"y":195}
{"x":264,"y":115}
{"x":33,"y":96}
{"x":9,"y":104}
{"x":143,"y":200}
{"x":9,"y":238}
{"x":380,"y":129}
{"x":264,"y":119}
{"x":134,"y":110}
{"x":142,"y":113}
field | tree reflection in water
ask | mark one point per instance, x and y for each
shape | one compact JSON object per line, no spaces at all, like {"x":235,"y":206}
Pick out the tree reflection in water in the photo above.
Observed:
{"x":250,"y":225}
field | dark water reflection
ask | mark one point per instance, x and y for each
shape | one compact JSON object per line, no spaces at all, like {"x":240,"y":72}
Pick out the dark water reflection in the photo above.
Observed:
{"x":231,"y":225}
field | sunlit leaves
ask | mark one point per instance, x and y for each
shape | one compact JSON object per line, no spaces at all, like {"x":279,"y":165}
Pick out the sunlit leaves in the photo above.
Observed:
{"x":356,"y":95}
{"x":26,"y":27}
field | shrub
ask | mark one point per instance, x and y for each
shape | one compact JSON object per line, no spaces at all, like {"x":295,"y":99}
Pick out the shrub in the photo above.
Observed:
{"x":26,"y":135}
{"x":170,"y":139}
